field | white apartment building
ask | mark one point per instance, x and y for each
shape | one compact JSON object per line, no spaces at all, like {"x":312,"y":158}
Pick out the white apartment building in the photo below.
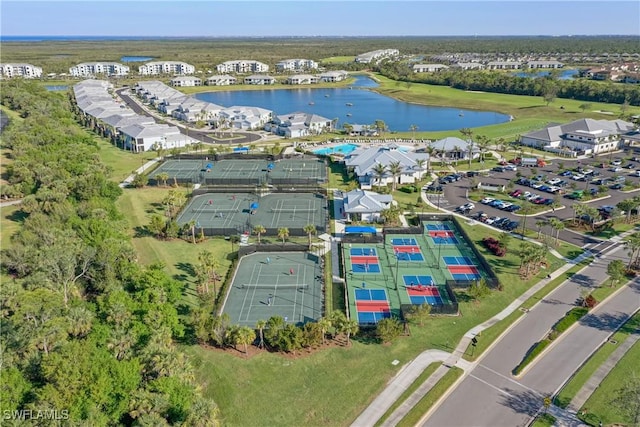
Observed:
{"x":186,"y":81}
{"x":368,"y":57}
{"x":544,"y":64}
{"x":334,"y":76}
{"x":166,"y":67}
{"x":87,"y":69}
{"x":221,"y":80}
{"x":242,"y":66}
{"x":26,"y":71}
{"x":429,"y":68}
{"x":296,"y":64}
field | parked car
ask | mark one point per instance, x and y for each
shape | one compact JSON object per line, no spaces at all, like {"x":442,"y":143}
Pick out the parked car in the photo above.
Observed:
{"x":616,"y":162}
{"x":513,"y":208}
{"x":512,"y":225}
{"x":617,"y":186}
{"x":566,"y":173}
{"x":510,"y":168}
{"x":615,"y":169}
{"x":487,"y":200}
{"x":498,"y":169}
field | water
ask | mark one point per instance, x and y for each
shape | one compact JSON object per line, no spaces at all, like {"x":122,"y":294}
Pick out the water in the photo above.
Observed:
{"x":56,"y":88}
{"x":563,"y":75}
{"x":366,"y":107}
{"x":136,"y":58}
{"x":344,"y":149}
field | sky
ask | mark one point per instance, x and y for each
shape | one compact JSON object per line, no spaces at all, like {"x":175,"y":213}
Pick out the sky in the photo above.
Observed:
{"x":262,"y":18}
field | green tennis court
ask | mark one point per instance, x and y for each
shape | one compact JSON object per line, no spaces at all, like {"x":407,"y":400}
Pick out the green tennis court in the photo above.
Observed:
{"x":286,"y":284}
{"x":183,"y":169}
{"x":218,"y":213}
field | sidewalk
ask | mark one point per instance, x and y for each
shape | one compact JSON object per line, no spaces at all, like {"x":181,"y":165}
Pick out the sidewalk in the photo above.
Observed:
{"x":128,"y":180}
{"x":590,"y":386}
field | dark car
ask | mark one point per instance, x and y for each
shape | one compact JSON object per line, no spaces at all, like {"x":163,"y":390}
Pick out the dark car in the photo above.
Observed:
{"x":512,"y":226}
{"x":471,"y":174}
{"x":513,"y":208}
{"x":498,"y":169}
{"x":566,"y":173}
{"x":434,"y":189}
{"x":617,"y":186}
{"x":593,"y":191}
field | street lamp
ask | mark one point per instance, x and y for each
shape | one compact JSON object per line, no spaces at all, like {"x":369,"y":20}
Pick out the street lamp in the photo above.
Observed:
{"x":397,"y":268}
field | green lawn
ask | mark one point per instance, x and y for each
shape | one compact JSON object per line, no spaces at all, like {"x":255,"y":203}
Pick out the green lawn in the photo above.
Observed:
{"x":616,"y":229}
{"x":585,"y":372}
{"x":544,"y":420}
{"x":10,"y":222}
{"x":598,"y":406}
{"x":122,"y":162}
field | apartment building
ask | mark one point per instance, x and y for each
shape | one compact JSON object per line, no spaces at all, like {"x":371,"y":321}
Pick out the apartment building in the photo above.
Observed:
{"x":242,"y":66}
{"x":296,"y":65}
{"x":166,"y":67}
{"x":88,"y":69}
{"x":26,"y":71}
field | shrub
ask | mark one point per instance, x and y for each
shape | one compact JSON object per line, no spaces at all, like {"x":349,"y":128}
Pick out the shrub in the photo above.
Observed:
{"x":494,"y":246}
{"x":590,"y":301}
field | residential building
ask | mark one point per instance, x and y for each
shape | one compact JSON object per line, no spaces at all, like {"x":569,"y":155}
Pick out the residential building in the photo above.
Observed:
{"x":429,"y":68}
{"x":241,"y":117}
{"x":368,"y":57}
{"x":221,"y":80}
{"x":362,"y":205}
{"x":296,"y":65}
{"x":334,"y":76}
{"x":88,"y":69}
{"x":362,"y":130}
{"x":242,"y":67}
{"x":363,"y":162}
{"x":503,"y":65}
{"x":544,"y":64}
{"x":26,"y":71}
{"x":468,"y":65}
{"x":302,"y":79}
{"x":584,"y":136}
{"x":259,"y":79}
{"x":166,"y":67}
{"x":453,"y":148}
{"x":299,"y":124}
{"x":139,"y":137}
{"x":192,"y":110}
{"x":185,"y":81}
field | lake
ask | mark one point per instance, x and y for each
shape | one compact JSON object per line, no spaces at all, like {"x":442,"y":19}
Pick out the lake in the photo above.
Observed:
{"x":562,"y":75}
{"x":136,"y":58}
{"x":356,"y":105}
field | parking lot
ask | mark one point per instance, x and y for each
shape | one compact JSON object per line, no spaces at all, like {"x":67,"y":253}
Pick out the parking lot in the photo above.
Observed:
{"x":602,"y":178}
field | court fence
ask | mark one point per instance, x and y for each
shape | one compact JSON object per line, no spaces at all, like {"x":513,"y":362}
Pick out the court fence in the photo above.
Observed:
{"x":448,"y":309}
{"x":491,"y":279}
{"x":363,"y":238}
{"x":404,"y":230}
{"x":272,"y":247}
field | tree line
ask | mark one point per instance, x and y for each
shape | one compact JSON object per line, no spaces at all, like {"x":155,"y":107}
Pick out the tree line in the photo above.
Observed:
{"x":500,"y":82}
{"x":85,"y":329}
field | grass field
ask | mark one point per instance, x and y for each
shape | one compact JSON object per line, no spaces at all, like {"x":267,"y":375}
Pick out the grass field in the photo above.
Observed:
{"x":122,"y":162}
{"x":580,"y":378}
{"x":598,"y":406}
{"x":10,"y":222}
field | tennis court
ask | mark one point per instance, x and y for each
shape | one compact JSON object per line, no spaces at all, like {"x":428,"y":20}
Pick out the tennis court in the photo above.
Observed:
{"x":221,"y":213}
{"x":286,"y":284}
{"x":372,"y":305}
{"x":364,"y":260}
{"x":311,"y":169}
{"x":182,"y":170}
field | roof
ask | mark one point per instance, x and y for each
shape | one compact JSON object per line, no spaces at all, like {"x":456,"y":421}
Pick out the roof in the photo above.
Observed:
{"x":452,"y":143}
{"x":362,"y":201}
{"x":555,"y":132}
{"x":364,"y":160}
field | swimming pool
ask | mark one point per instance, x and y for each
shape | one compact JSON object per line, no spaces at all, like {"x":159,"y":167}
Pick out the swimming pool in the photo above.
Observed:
{"x":337,"y":149}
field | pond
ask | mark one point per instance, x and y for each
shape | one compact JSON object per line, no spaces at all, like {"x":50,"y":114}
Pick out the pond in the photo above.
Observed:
{"x":136,"y":58}
{"x":562,"y":75}
{"x":357,"y":105}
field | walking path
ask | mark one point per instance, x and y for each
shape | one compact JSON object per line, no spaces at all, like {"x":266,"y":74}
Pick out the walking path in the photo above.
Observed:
{"x":590,"y":386}
{"x":128,"y":180}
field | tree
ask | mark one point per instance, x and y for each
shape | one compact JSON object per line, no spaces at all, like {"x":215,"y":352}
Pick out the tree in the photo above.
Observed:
{"x":413,"y":129}
{"x":380,"y":126}
{"x":632,"y":244}
{"x":310,"y":229}
{"x":539,"y":224}
{"x":163,"y":176}
{"x":139,"y":180}
{"x":191,"y":225}
{"x":391,"y":214}
{"x":379,"y":171}
{"x":395,"y":169}
{"x":244,"y":336}
{"x":479,"y":289}
{"x":419,"y":313}
{"x":350,"y":328}
{"x":283,"y":233}
{"x":616,"y":271}
{"x":468,"y":134}
{"x":157,"y":225}
{"x":627,"y":206}
{"x":585,"y":106}
{"x":259,"y":230}
{"x":558,"y":226}
{"x":324,"y":324}
{"x":388,"y":329}
{"x":234,"y":239}
{"x":550,"y":93}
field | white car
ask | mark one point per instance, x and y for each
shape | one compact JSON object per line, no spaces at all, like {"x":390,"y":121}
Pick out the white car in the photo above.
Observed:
{"x":554,"y":181}
{"x":510,"y":167}
{"x":487,"y":200}
{"x":615,"y":169}
{"x":616,"y":162}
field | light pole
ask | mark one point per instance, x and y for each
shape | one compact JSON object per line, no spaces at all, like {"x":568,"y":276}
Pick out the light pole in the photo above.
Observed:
{"x":397,"y":269}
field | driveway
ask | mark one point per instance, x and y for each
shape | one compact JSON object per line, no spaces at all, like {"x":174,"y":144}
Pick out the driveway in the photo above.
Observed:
{"x":491,"y":396}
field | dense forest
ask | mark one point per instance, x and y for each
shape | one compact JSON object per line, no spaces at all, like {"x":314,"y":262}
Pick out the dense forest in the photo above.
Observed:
{"x":87,"y":333}
{"x":500,"y":82}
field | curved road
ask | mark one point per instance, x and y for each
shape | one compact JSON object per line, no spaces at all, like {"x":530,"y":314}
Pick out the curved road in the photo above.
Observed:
{"x":490,"y":396}
{"x":204,"y":136}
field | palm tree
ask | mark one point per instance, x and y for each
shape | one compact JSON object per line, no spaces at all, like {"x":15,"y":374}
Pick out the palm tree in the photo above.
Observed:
{"x":324,"y":324}
{"x":259,"y":230}
{"x":556,"y":225}
{"x":483,"y":144}
{"x":163,"y":176}
{"x":350,"y":327}
{"x":391,"y":214}
{"x":380,"y":126}
{"x":244,"y":335}
{"x":539,"y":224}
{"x":348,"y":128}
{"x":627,"y":206}
{"x":468,"y":133}
{"x":260,"y":325}
{"x":234,"y":238}
{"x":379,"y":171}
{"x":395,"y":169}
{"x":430,"y":150}
{"x":310,"y":229}
{"x":632,"y":243}
{"x":527,"y":208}
{"x":283,"y":233}
{"x":413,"y":129}
{"x":192,"y":227}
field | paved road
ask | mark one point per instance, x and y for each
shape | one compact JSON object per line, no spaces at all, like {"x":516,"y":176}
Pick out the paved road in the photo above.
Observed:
{"x":207,"y":137}
{"x":491,"y":396}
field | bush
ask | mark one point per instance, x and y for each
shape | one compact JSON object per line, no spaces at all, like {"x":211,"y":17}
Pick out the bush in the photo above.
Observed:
{"x":494,"y":246}
{"x":409,"y":189}
{"x":590,"y":301}
{"x":535,"y":350}
{"x":570,"y":318}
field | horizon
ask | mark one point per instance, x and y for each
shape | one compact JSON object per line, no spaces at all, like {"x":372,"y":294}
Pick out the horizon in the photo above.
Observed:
{"x":227,"y":19}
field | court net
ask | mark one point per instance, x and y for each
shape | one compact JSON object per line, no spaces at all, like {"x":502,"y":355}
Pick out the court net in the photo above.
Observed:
{"x":295,"y":210}
{"x":214,"y":211}
{"x":274,"y":286}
